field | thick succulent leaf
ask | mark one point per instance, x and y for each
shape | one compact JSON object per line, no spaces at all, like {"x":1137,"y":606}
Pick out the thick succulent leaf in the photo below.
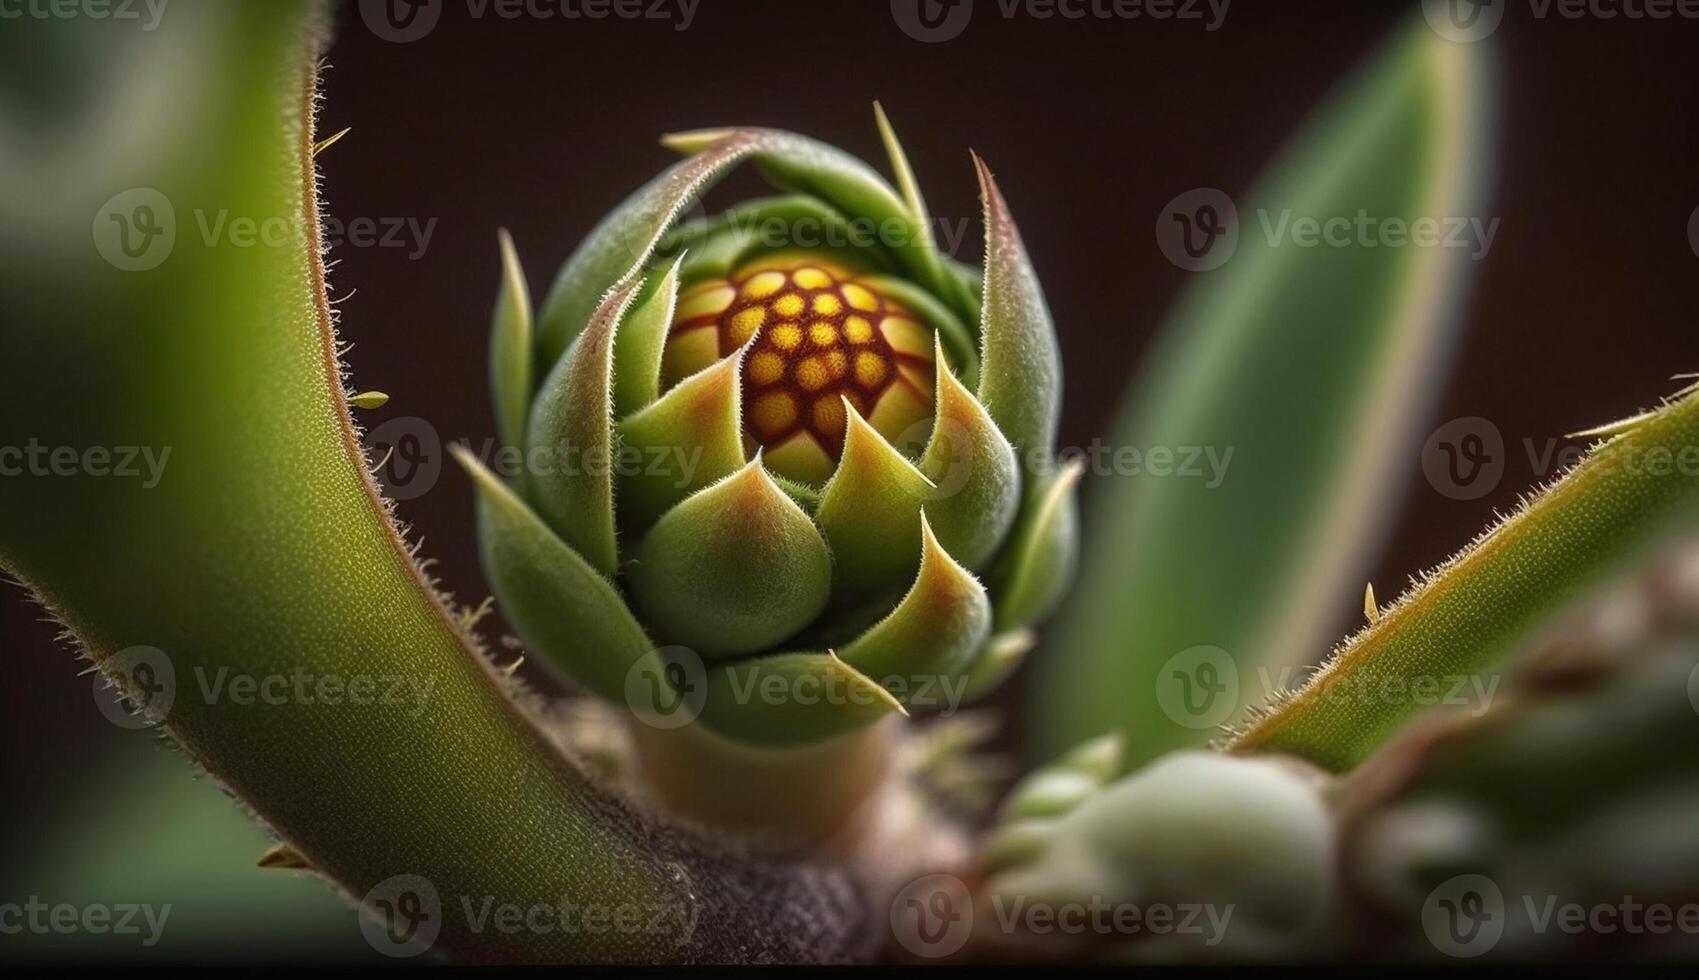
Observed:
{"x":1313,"y":367}
{"x":1036,"y":569}
{"x":1463,"y":620}
{"x":922,"y":650}
{"x":967,"y":479}
{"x":870,"y":512}
{"x":1002,"y":655}
{"x":572,"y":433}
{"x":689,"y":439}
{"x":616,"y":252}
{"x":976,"y":481}
{"x":790,"y":699}
{"x":511,"y":348}
{"x":640,"y":340}
{"x":1020,"y":379}
{"x":719,"y":245}
{"x":799,"y":163}
{"x":734,"y":569}
{"x":564,"y":611}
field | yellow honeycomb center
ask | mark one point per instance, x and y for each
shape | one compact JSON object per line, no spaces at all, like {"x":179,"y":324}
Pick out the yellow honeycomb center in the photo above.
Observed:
{"x":817,"y":336}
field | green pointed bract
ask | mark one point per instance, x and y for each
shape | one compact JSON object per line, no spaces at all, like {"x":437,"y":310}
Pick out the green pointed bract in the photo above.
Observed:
{"x":1035,"y":569}
{"x":922,"y":650}
{"x":789,"y":699}
{"x":720,"y":244}
{"x":799,"y":163}
{"x":682,"y":443}
{"x":571,"y":440}
{"x":734,"y":569}
{"x":976,"y":481}
{"x":915,"y":201}
{"x":511,"y":368}
{"x":1002,"y":656}
{"x":565,"y":612}
{"x":870,"y":512}
{"x":641,"y":338}
{"x":967,"y":478}
{"x":1020,"y":379}
{"x":618,"y":249}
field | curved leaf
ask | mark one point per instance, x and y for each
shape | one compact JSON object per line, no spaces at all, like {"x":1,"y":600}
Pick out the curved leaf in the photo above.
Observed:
{"x":734,"y":569}
{"x":1311,"y":367}
{"x":1020,"y":380}
{"x":572,"y":435}
{"x":561,"y":607}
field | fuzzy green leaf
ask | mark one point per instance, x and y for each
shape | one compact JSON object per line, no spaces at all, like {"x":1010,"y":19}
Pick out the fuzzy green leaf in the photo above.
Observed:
{"x":641,"y":338}
{"x":976,"y":481}
{"x":572,"y":433}
{"x":690,"y":438}
{"x":734,"y":569}
{"x":791,"y":699}
{"x":1466,"y":618}
{"x":562,"y":608}
{"x":926,"y":644}
{"x":1020,"y":379}
{"x":1036,"y":569}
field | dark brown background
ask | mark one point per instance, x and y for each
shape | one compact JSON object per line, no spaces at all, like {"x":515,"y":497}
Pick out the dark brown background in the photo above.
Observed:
{"x":1582,"y":310}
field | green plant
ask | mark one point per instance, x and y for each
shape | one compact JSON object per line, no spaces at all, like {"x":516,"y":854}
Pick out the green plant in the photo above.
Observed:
{"x":783,"y":461}
{"x":267,"y":548}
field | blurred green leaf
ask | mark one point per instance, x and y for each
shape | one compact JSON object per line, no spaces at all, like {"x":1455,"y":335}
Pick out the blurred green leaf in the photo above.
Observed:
{"x":159,"y":264}
{"x":1300,"y":373}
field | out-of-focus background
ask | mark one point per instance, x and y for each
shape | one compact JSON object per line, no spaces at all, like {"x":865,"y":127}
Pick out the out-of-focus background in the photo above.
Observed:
{"x":1581,"y":311}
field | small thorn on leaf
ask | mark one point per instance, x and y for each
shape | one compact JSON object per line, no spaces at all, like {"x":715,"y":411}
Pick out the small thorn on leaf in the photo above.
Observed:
{"x":284,"y":856}
{"x":1611,"y":428}
{"x":326,"y":143}
{"x":513,"y":668}
{"x":369,"y":399}
{"x":1370,"y":608}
